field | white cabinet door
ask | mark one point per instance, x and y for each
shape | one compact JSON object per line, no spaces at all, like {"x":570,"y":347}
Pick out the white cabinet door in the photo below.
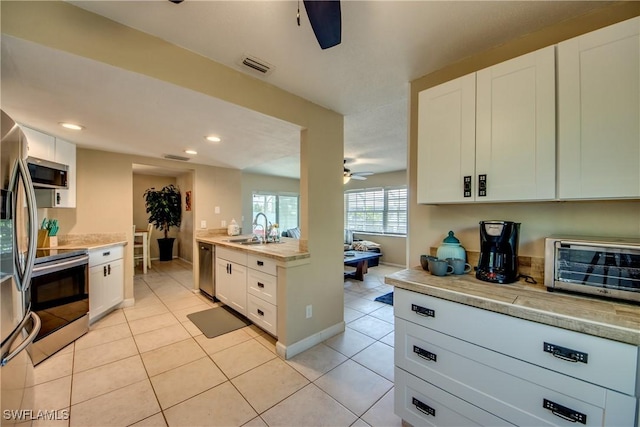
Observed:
{"x":114,"y":292}
{"x":65,"y":153}
{"x":515,"y":128}
{"x":446,"y":141}
{"x":106,"y":280}
{"x":39,"y":145}
{"x":97,"y":298}
{"x":599,"y":113}
{"x":231,"y":285}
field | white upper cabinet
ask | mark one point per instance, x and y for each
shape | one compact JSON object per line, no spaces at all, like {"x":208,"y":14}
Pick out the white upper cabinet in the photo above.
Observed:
{"x":490,"y":136}
{"x":446,"y":140}
{"x":515,"y":128}
{"x":40,"y":145}
{"x":599,"y":114}
{"x":66,"y":154}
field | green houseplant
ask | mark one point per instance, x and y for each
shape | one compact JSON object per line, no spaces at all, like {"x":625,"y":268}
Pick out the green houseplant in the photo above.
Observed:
{"x":165,"y":211}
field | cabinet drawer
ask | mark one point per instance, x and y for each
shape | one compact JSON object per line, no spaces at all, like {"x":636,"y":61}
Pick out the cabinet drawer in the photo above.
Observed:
{"x":509,"y":388}
{"x":607,"y":363}
{"x":262,"y":314}
{"x":422,"y":404}
{"x":101,"y":256}
{"x":263,"y":264}
{"x":231,"y":255}
{"x":262,"y":285}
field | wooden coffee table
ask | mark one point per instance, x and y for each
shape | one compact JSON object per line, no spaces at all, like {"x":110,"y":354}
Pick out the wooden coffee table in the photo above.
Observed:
{"x":358,"y":259}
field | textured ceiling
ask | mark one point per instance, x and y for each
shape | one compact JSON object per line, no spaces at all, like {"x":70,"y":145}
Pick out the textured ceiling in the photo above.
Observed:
{"x":385,"y":45}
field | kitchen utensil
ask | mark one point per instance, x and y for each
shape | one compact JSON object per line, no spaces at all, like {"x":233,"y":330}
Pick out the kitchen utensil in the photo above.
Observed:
{"x":451,"y":248}
{"x":439,"y":267}
{"x":459,"y":265}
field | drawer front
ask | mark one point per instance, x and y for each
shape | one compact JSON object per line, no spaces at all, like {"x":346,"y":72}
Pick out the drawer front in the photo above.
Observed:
{"x":266,"y":265}
{"x":231,"y":255}
{"x":262,"y":314}
{"x":514,"y":390}
{"x":101,"y":256}
{"x":603,"y":362}
{"x":422,"y":404}
{"x":262,"y":285}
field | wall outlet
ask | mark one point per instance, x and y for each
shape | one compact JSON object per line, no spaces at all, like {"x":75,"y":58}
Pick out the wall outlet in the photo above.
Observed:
{"x":223,"y":223}
{"x":309,"y":311}
{"x":203,"y":224}
{"x":216,"y":209}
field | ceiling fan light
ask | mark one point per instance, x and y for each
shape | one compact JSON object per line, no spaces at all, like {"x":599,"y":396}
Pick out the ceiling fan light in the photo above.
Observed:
{"x":346,"y":179}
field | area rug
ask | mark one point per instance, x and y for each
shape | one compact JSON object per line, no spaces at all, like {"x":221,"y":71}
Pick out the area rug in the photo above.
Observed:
{"x":387,"y":298}
{"x":218,"y":321}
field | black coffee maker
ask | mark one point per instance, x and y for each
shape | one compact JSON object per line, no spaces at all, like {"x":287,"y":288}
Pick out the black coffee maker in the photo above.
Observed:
{"x":498,"y":251}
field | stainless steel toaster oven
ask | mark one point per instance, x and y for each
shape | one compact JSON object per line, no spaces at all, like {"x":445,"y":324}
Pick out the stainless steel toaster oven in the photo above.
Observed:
{"x":608,"y":267}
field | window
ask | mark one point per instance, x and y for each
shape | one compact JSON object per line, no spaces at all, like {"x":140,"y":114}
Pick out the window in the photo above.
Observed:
{"x":376,"y":210}
{"x":279,"y":208}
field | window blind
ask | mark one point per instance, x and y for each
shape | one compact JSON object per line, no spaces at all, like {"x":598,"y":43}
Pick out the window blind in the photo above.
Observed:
{"x":376,"y":210}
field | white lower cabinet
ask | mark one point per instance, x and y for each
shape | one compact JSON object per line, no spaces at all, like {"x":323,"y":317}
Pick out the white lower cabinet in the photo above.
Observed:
{"x":231,"y":279}
{"x":480,"y":364}
{"x":106,"y":280}
{"x":248,"y":284}
{"x":262,"y":286}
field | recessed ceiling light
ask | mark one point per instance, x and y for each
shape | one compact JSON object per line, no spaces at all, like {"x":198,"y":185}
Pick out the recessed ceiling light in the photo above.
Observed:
{"x":71,"y":126}
{"x":213,"y":138}
{"x":191,"y":151}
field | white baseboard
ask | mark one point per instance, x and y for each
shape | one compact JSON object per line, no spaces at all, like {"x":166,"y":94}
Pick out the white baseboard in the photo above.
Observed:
{"x":129,"y":302}
{"x":287,"y":352}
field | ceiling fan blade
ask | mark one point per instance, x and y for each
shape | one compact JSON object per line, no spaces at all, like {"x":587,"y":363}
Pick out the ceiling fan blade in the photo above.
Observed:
{"x":358,"y":177}
{"x":363,"y":173}
{"x":326,"y":21}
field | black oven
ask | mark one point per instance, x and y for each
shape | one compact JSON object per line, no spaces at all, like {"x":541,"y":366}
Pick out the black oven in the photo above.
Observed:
{"x":60,"y":297}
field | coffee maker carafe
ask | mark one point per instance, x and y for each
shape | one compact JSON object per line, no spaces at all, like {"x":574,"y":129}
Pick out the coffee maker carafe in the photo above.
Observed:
{"x":498,"y":251}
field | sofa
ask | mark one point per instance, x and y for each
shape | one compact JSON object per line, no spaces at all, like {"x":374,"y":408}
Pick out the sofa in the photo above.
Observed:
{"x":354,"y":244}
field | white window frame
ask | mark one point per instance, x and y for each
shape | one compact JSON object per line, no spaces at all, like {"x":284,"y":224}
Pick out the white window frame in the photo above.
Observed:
{"x":368,"y":205}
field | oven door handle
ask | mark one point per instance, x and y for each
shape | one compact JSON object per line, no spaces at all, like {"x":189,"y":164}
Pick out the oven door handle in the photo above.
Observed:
{"x":34,"y":332}
{"x":42,"y":269}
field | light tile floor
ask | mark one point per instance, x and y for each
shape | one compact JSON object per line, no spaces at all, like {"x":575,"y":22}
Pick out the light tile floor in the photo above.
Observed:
{"x":148,"y":365}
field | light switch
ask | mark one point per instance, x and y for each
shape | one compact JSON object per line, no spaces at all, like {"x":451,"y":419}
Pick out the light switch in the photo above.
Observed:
{"x":203,"y":224}
{"x":216,"y":209}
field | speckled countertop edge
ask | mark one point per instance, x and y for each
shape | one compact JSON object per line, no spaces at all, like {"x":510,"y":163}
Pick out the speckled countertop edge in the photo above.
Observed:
{"x":287,"y":251}
{"x":613,"y":320}
{"x":91,"y":241}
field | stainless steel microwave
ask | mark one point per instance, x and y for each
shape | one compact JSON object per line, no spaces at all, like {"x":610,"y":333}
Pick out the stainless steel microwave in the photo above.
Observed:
{"x":608,"y":267}
{"x":47,"y":174}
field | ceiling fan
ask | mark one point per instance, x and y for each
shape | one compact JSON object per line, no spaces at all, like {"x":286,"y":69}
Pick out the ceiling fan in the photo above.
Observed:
{"x":348,"y":175}
{"x":326,"y":21}
{"x":325,"y":17}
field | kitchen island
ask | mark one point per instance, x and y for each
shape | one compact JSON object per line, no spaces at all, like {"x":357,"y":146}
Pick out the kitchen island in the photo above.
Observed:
{"x":257,"y":281}
{"x":470,"y":351}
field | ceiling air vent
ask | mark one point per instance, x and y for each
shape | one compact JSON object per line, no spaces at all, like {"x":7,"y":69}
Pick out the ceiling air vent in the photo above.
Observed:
{"x":256,"y":64}
{"x":174,"y":157}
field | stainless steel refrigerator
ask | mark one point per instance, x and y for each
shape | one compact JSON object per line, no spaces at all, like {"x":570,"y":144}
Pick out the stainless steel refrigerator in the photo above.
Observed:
{"x":18,"y":234}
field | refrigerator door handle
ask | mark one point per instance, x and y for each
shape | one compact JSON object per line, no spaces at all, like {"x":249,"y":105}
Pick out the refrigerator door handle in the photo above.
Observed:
{"x":21,"y":170}
{"x":27,"y":341}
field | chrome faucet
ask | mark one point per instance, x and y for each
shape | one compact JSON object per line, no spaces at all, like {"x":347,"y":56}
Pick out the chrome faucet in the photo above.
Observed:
{"x":265,"y":229}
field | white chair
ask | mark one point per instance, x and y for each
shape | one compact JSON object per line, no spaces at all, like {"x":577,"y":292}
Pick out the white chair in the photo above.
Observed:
{"x":141,"y":247}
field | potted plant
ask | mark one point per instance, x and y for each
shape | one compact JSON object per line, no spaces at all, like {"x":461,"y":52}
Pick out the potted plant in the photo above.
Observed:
{"x":165,"y":211}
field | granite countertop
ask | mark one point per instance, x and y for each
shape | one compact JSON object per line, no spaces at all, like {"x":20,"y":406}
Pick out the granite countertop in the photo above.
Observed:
{"x":92,"y":241}
{"x":609,"y":319}
{"x":289,"y":250}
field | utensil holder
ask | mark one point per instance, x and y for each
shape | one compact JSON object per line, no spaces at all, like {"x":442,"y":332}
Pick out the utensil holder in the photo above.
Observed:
{"x":43,"y":239}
